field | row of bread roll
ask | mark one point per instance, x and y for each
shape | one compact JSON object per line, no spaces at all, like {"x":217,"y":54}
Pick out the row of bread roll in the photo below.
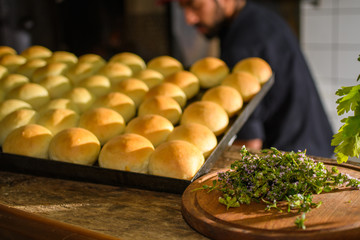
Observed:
{"x":128,"y":152}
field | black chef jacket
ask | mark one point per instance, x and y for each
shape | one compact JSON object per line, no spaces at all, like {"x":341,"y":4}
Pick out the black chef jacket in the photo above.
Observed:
{"x":291,"y":116}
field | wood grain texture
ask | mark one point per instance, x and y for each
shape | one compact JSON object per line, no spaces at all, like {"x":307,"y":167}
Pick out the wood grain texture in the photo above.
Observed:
{"x":337,"y":218}
{"x":17,"y":224}
{"x":124,"y":213}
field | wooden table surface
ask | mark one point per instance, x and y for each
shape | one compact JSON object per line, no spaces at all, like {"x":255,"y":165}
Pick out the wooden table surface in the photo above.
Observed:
{"x":119,"y":212}
{"x":107,"y":212}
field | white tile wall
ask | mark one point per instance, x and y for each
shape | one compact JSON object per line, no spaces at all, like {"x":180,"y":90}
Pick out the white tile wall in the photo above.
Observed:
{"x":330,"y":38}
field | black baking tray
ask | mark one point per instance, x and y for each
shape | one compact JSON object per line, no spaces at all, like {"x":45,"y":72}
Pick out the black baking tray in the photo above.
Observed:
{"x":96,"y":174}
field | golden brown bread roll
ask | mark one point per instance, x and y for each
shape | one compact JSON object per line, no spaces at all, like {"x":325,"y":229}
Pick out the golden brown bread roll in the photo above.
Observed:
{"x":132,"y":60}
{"x":105,"y":123}
{"x":57,"y":86}
{"x":5,"y":50}
{"x":16,"y":119}
{"x":10,"y":105}
{"x":28,"y":68}
{"x":187,"y":81}
{"x":150,"y":77}
{"x":79,"y":72}
{"x":75,"y":145}
{"x":81,"y":97}
{"x":116,"y":72}
{"x":31,"y":140}
{"x":51,"y":69}
{"x":98,"y":85}
{"x":227,"y":97}
{"x":95,"y":60}
{"x":206,"y":113}
{"x":168,"y":89}
{"x":165,"y":65}
{"x":58,"y":119}
{"x":176,"y":159}
{"x":119,"y":102}
{"x":210,"y":71}
{"x":256,"y":66}
{"x":32,"y":93}
{"x":199,"y":135}
{"x":59,"y":103}
{"x":12,"y":62}
{"x":161,"y":105}
{"x":126,"y":152}
{"x":11,"y":81}
{"x":245,"y":83}
{"x":36,"y":51}
{"x":134,"y":88}
{"x":153,"y":127}
{"x":68,"y":58}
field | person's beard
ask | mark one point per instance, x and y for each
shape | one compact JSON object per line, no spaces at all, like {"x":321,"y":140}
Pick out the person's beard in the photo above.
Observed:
{"x":215,"y":29}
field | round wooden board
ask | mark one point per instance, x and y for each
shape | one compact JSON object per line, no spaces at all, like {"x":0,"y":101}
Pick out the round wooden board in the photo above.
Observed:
{"x":337,"y":218}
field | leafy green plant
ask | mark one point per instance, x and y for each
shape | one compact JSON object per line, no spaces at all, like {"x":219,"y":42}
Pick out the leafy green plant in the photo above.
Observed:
{"x":347,"y":139}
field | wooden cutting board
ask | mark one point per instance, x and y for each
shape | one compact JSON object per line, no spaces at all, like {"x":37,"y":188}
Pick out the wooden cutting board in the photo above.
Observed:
{"x":337,"y":218}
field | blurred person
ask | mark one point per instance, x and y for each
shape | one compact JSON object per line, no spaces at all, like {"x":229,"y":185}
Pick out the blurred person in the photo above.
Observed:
{"x":291,"y":116}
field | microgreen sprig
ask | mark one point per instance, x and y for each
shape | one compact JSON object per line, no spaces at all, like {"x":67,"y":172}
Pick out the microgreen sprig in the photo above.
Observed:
{"x":273,"y":176}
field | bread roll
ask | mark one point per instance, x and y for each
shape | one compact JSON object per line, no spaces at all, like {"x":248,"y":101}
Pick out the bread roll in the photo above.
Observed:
{"x":36,"y":51}
{"x":150,"y":77}
{"x":57,"y":86}
{"x":134,"y":88}
{"x":245,"y":83}
{"x":135,"y":62}
{"x":32,"y":93}
{"x":10,"y":105}
{"x":256,"y":66}
{"x":153,"y":127}
{"x":28,"y":68}
{"x":59,"y":103}
{"x":207,"y":113}
{"x":199,"y":135}
{"x":165,"y":65}
{"x":79,"y":72}
{"x":168,"y":89}
{"x":227,"y":97}
{"x":16,"y":119}
{"x":116,"y":72}
{"x":105,"y":123}
{"x":210,"y":71}
{"x":68,"y":58}
{"x":187,"y":81}
{"x":98,"y":85}
{"x":161,"y":105}
{"x":95,"y":60}
{"x":31,"y":140}
{"x":3,"y":71}
{"x":81,"y":97}
{"x":6,"y":50}
{"x":58,"y":119}
{"x":126,"y":152}
{"x":119,"y":102}
{"x":11,"y":81}
{"x":51,"y":69}
{"x":176,"y":159}
{"x":75,"y":145}
{"x":12,"y":62}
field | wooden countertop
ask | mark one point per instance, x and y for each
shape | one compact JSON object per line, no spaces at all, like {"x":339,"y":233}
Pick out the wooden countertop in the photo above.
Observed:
{"x":109,"y":211}
{"x":95,"y":210}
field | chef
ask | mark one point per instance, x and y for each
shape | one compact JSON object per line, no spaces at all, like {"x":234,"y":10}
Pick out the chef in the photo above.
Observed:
{"x":291,"y":117}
